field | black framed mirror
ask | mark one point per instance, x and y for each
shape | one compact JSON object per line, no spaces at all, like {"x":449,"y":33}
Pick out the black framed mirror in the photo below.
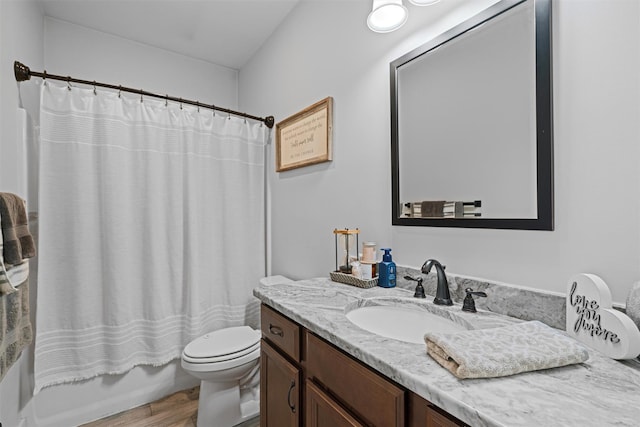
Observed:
{"x":471,"y":123}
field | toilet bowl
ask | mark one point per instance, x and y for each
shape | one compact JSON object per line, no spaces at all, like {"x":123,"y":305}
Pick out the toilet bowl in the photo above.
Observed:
{"x":227,"y":363}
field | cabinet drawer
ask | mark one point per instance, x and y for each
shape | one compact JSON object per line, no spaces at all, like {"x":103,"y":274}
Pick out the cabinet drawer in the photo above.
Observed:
{"x":281,"y":332}
{"x":367,"y":394}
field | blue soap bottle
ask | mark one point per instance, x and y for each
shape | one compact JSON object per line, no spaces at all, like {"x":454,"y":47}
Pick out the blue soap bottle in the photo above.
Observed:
{"x":387,"y":270}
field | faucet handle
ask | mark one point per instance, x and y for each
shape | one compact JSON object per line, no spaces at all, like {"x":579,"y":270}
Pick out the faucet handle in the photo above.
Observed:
{"x":469,"y":304}
{"x":419,"y":293}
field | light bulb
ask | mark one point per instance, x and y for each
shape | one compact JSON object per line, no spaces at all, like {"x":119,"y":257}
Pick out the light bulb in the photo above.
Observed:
{"x":387,"y":16}
{"x":423,"y":2}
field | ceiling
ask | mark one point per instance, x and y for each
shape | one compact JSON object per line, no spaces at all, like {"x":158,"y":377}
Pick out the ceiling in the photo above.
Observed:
{"x":224,"y":32}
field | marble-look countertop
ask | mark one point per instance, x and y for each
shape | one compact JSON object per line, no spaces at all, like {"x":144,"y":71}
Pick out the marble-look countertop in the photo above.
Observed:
{"x":600,"y":392}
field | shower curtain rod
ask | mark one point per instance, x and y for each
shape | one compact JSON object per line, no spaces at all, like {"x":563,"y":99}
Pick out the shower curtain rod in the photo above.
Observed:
{"x":23,"y":73}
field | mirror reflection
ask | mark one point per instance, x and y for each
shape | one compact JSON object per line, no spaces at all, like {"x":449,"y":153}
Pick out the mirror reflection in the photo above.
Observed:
{"x":471,"y":124}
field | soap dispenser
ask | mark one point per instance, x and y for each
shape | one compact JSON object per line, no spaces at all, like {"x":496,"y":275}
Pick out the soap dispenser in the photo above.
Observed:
{"x":386,"y":270}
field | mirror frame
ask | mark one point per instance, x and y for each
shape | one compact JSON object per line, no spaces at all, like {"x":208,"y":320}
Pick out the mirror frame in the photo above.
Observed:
{"x":544,"y":123}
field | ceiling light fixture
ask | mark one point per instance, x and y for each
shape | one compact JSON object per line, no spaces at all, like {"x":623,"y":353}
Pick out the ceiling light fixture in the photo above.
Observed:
{"x":423,"y":2}
{"x":387,"y":16}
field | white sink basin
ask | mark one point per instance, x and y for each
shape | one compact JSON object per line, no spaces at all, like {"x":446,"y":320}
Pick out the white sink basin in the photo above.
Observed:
{"x":400,"y":323}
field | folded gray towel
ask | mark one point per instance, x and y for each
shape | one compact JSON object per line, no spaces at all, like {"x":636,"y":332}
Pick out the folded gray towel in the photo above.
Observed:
{"x":432,"y":209}
{"x":18,"y":242}
{"x":507,"y":350}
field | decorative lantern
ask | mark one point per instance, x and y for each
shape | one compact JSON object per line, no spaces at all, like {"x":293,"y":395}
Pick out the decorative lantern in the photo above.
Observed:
{"x":346,"y":248}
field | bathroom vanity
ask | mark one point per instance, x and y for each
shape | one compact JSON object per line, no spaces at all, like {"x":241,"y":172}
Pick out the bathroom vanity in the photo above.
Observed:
{"x":305,"y":377}
{"x":319,"y":369}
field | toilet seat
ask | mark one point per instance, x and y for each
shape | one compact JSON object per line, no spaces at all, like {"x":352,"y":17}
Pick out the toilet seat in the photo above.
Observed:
{"x":223,"y":349}
{"x":222,"y":358}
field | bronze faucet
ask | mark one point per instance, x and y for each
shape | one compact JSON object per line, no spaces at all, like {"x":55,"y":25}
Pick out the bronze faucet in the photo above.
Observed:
{"x":442,"y":292}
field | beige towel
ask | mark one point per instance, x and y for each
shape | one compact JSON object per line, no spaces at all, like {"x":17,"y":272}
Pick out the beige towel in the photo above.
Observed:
{"x":507,"y":350}
{"x":18,"y":243}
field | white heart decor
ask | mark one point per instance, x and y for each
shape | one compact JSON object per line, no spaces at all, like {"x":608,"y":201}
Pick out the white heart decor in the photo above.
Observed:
{"x":592,"y":320}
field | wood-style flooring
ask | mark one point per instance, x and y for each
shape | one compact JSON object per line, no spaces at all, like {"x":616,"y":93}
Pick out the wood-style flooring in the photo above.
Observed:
{"x":177,"y":410}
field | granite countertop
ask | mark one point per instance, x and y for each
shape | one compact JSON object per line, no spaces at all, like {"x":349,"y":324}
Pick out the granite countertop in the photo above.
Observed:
{"x":599,"y":392}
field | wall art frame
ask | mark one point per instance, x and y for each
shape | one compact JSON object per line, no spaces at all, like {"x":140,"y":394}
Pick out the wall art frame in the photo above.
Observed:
{"x":305,"y":138}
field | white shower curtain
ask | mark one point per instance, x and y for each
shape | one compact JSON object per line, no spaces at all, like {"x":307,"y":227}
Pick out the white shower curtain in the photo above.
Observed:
{"x":151,"y":230}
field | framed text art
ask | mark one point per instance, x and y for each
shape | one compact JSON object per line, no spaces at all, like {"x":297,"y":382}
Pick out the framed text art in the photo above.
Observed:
{"x":305,"y":138}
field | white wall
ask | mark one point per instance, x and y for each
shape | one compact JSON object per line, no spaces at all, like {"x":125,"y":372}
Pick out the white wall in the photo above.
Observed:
{"x":20,"y":40}
{"x":92,"y":55}
{"x":324,"y":48}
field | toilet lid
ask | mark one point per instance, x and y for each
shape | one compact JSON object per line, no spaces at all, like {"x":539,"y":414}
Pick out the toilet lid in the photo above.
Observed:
{"x":223,"y":342}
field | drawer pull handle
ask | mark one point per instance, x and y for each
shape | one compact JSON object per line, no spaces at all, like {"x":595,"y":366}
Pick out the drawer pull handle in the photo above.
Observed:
{"x":276,"y":330}
{"x":292,"y":407}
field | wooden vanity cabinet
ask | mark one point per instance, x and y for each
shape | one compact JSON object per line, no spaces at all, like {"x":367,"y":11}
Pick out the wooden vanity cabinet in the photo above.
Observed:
{"x":338,"y":391}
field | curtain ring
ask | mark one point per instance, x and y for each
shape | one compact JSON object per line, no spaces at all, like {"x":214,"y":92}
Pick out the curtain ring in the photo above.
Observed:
{"x":213,"y":107}
{"x":44,"y":77}
{"x":198,"y":105}
{"x":69,"y":82}
{"x":229,"y":116}
{"x":119,"y":91}
{"x":141,"y":95}
{"x":181,"y":103}
{"x":166,"y":99}
{"x":94,"y":88}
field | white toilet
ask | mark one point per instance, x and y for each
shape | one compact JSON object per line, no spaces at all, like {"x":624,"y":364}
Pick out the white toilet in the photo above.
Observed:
{"x":227,"y":362}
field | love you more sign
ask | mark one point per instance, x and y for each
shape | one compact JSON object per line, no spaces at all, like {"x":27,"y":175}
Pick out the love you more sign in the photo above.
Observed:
{"x":592,"y":320}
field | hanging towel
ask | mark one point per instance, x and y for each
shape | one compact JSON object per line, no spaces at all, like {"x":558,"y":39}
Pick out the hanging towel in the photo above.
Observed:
{"x":15,"y":326}
{"x":11,"y":276}
{"x":15,"y":241}
{"x":18,"y":243}
{"x":432,"y":209}
{"x":503,"y":351}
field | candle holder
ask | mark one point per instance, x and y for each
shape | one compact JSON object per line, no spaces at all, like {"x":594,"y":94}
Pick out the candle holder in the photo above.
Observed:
{"x":346,"y":248}
{"x":346,"y":253}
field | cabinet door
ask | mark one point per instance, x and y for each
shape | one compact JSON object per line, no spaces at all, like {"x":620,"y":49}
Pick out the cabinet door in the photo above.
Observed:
{"x":322,"y":411}
{"x":424,"y":414}
{"x":279,"y":390}
{"x":437,"y":419}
